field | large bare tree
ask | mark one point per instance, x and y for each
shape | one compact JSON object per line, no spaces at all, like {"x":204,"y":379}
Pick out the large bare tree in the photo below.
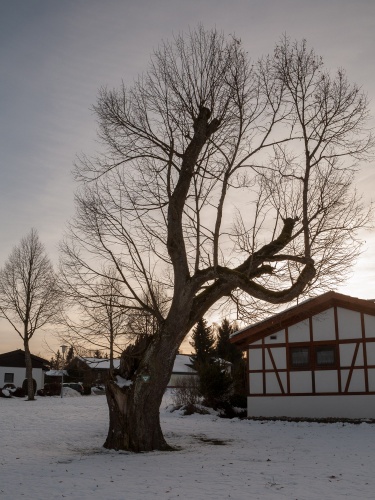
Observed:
{"x":29,"y":296}
{"x":220,"y":179}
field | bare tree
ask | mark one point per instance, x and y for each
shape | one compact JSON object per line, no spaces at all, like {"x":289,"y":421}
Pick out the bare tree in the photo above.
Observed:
{"x":202,"y":137}
{"x":99,"y":316}
{"x":29,"y":296}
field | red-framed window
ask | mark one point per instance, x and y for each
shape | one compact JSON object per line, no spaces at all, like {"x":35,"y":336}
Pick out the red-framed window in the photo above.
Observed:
{"x":310,"y":357}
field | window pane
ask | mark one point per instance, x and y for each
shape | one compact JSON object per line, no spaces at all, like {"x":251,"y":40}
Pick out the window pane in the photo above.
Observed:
{"x":8,"y":378}
{"x":325,"y":356}
{"x":300,"y":356}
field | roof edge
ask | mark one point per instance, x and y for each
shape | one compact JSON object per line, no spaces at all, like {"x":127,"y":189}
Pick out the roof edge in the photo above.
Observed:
{"x":299,"y":312}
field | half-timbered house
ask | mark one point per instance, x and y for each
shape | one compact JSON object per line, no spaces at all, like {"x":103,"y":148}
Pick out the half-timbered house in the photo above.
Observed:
{"x":315,"y":360}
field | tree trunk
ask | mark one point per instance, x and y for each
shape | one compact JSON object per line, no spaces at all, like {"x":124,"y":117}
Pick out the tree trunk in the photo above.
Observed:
{"x":134,"y":422}
{"x":134,"y":418}
{"x":29,"y":372}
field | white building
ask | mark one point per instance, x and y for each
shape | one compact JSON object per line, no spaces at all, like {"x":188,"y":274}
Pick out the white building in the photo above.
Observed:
{"x":182,"y":371}
{"x":313,"y":360}
{"x":90,"y":369}
{"x":13,"y":368}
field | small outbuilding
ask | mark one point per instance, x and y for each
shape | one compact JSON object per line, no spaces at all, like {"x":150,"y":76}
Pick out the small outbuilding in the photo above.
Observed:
{"x":13,"y":368}
{"x":313,"y":360}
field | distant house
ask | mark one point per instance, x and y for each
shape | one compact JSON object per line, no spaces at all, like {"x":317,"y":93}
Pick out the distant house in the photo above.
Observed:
{"x":316,"y":359}
{"x":13,"y":368}
{"x":182,"y":370}
{"x":90,"y":370}
{"x":94,"y":370}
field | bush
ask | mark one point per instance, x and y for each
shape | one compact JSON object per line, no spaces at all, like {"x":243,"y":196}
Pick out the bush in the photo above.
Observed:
{"x":18,"y":393}
{"x":238,"y":400}
{"x":227,"y":410}
{"x":239,"y":374}
{"x":24,"y":386}
{"x":53,"y":389}
{"x":214,"y":383}
{"x":190,"y":409}
{"x":187,"y":393}
{"x":86,"y":390}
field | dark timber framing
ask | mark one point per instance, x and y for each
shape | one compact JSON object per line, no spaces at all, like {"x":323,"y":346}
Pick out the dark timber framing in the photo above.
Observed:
{"x":257,"y":338}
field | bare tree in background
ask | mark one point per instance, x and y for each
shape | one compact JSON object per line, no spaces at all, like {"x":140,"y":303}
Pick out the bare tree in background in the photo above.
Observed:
{"x":203,"y":136}
{"x":97,"y":317}
{"x":29,"y":297}
{"x":100,"y":318}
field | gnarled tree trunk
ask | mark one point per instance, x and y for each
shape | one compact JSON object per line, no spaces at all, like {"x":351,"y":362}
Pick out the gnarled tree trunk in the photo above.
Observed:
{"x":134,"y":419}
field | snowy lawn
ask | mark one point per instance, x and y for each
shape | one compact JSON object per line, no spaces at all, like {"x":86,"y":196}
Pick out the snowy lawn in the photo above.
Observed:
{"x":52,"y":448}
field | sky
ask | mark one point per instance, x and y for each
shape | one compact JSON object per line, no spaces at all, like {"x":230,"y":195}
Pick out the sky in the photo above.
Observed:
{"x":56,"y":55}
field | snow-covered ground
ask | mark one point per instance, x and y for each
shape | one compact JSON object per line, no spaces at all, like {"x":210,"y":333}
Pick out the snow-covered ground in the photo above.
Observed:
{"x":52,"y":448}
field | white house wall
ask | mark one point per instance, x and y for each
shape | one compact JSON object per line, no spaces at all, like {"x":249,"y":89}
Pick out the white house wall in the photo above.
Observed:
{"x":347,"y":352}
{"x":323,"y":326}
{"x":300,"y":382}
{"x":360,"y":406}
{"x":370,"y":353}
{"x":349,"y":324}
{"x":351,"y":379}
{"x":20,"y":375}
{"x":278,"y":337}
{"x":326,"y":381}
{"x":369,"y":325}
{"x":299,"y":332}
{"x":371,"y":379}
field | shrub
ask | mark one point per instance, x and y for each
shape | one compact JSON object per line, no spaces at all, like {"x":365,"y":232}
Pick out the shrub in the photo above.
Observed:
{"x":52,"y":389}
{"x":187,"y":393}
{"x":227,"y":410}
{"x":214,"y":383}
{"x":238,"y":400}
{"x":86,"y":390}
{"x":190,"y":409}
{"x":18,"y":393}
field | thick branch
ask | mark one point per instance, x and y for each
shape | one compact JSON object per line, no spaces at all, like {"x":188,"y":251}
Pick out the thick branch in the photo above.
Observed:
{"x":175,"y":242}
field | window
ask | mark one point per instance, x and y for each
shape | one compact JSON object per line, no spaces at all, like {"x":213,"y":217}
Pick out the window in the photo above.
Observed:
{"x":309,"y":357}
{"x":300,"y":357}
{"x":8,"y":378}
{"x":325,"y":356}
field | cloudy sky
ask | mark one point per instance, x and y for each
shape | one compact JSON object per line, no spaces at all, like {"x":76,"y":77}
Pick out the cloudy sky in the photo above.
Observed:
{"x":55,"y":55}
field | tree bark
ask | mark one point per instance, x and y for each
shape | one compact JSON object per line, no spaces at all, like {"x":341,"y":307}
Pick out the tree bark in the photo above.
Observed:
{"x":29,"y":372}
{"x":134,"y":418}
{"x":134,"y":423}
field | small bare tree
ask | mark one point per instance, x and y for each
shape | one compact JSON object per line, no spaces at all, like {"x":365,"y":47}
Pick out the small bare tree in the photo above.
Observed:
{"x":100,"y":317}
{"x":29,"y":296}
{"x":97,"y":317}
{"x":205,"y":136}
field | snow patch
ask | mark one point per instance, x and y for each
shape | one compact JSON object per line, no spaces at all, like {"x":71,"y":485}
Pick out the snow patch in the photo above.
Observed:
{"x":123,"y":382}
{"x":68,"y":392}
